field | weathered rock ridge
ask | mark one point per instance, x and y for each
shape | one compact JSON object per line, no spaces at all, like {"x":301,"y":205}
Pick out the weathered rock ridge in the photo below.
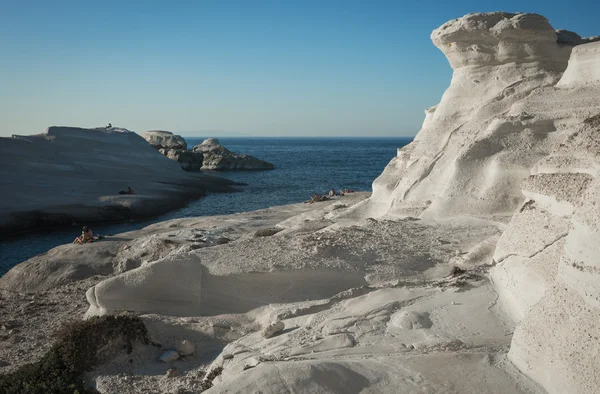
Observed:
{"x":72,"y":174}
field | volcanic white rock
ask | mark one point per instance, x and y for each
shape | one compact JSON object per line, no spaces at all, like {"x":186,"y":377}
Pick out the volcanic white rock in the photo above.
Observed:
{"x":502,"y":178}
{"x":160,"y":139}
{"x":217,"y":157}
{"x":71,"y":174}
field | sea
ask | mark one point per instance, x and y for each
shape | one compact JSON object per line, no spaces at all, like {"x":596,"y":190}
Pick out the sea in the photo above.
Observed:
{"x":303,"y":166}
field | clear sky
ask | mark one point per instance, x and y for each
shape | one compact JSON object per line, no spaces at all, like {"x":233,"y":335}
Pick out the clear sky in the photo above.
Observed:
{"x":263,"y":68}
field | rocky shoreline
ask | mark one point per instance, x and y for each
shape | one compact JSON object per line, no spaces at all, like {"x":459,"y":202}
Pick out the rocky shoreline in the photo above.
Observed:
{"x":472,"y":267}
{"x":73,"y":175}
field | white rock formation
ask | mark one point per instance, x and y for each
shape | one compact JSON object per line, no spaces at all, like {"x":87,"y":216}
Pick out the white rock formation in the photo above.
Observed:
{"x":517,"y":135}
{"x":160,"y":139}
{"x":208,"y":145}
{"x":217,"y":157}
{"x":473,"y":151}
{"x":505,"y":172}
{"x":73,"y":174}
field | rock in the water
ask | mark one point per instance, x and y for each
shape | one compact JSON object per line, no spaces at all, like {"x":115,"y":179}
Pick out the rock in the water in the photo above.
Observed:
{"x":165,"y":140}
{"x":273,"y":329}
{"x":209,"y":155}
{"x":217,"y":157}
{"x":97,"y":164}
{"x":189,"y":160}
{"x":169,"y":356}
{"x":208,"y":145}
{"x":186,"y":348}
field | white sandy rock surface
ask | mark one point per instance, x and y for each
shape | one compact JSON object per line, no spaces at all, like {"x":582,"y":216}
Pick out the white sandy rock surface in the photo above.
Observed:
{"x":385,"y":317}
{"x":73,"y":174}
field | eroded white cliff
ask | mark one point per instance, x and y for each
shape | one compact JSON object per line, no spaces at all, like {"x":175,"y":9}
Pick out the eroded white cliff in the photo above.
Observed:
{"x":472,"y":152}
{"x":517,"y":137}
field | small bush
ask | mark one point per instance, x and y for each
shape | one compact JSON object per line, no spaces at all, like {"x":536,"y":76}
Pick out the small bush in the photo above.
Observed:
{"x":207,"y":382}
{"x":593,"y":121}
{"x":267,"y":232}
{"x":79,"y":347}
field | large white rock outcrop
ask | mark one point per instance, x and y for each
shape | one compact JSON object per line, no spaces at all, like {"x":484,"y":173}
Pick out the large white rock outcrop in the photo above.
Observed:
{"x":470,"y":156}
{"x":556,"y":342}
{"x":74,"y":174}
{"x":516,"y":138}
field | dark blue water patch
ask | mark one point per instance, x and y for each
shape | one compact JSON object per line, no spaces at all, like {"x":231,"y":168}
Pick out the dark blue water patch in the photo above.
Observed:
{"x":304,"y":166}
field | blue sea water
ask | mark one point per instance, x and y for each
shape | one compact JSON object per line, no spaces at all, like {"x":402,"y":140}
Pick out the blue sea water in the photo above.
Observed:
{"x":303,"y":166}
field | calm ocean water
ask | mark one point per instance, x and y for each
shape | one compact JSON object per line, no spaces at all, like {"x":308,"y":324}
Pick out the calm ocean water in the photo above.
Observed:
{"x":303,"y":166}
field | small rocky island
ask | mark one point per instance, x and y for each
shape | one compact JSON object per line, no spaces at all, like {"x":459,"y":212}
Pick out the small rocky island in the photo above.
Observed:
{"x":209,"y":155}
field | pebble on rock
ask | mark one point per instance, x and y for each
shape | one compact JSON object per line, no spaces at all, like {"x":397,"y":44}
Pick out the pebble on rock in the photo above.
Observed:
{"x":169,"y":356}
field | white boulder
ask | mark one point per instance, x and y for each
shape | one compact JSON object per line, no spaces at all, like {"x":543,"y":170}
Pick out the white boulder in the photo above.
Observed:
{"x":160,"y":139}
{"x":186,"y":348}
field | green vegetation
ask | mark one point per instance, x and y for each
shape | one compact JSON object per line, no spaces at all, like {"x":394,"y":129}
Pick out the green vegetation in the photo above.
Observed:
{"x":79,"y":347}
{"x":267,"y":232}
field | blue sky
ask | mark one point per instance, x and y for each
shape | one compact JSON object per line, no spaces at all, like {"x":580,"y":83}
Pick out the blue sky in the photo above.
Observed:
{"x":262,"y":68}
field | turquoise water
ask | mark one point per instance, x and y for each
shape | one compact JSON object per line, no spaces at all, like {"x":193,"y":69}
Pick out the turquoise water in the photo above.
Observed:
{"x":303,"y":166}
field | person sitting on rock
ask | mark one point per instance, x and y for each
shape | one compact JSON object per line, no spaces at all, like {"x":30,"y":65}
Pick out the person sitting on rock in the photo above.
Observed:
{"x":109,"y":126}
{"x":86,"y":236}
{"x":332,"y":192}
{"x":342,"y":192}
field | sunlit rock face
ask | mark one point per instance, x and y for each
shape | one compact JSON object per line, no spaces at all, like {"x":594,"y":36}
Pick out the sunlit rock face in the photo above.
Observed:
{"x":516,"y":138}
{"x":474,"y":148}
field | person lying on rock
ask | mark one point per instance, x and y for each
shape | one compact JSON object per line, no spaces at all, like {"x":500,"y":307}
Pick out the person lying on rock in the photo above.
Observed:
{"x":128,"y":191}
{"x":86,"y":236}
{"x":317,"y":198}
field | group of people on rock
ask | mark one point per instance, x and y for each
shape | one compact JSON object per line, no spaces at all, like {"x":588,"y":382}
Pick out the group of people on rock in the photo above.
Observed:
{"x":343,"y":192}
{"x":332,"y":193}
{"x":87,"y":236}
